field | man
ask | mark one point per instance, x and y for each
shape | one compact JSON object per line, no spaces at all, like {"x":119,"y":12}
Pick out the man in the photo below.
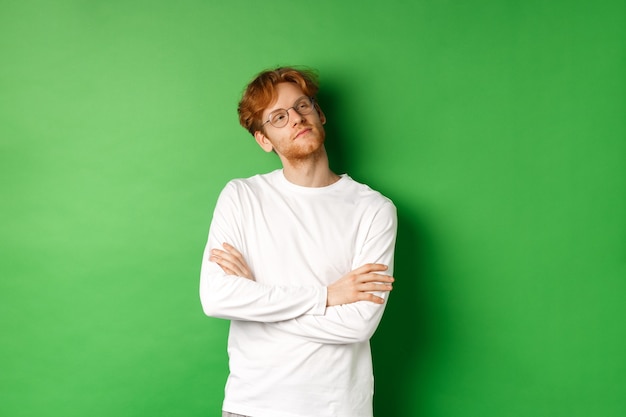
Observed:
{"x":300,"y":260}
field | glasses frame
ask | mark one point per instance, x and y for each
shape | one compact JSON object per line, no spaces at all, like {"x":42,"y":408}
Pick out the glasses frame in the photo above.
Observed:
{"x":269,"y":119}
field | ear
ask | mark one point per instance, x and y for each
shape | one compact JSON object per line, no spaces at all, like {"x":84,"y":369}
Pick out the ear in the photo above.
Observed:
{"x":263,"y":141}
{"x":320,"y":113}
{"x":322,"y":117}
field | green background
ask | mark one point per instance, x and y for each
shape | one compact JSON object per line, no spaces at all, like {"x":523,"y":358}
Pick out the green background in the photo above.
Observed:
{"x":498,"y":128}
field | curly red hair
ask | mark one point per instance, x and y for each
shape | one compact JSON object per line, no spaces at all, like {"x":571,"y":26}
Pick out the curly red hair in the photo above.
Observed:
{"x":261,"y":92}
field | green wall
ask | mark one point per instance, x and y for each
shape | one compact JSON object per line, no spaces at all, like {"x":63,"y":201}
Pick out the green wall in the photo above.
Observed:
{"x":497,"y":127}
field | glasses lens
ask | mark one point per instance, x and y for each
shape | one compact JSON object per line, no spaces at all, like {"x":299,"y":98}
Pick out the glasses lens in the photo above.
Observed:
{"x":279,"y":118}
{"x":303,"y":106}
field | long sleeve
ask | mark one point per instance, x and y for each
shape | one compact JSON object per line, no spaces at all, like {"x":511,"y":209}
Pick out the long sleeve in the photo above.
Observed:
{"x":237,"y":298}
{"x":356,"y":322}
{"x":284,"y":346}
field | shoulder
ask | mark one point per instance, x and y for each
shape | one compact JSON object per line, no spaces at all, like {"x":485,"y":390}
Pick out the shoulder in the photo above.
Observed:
{"x":377,"y":213}
{"x":252,"y":184}
{"x":241,"y":192}
{"x":366,"y":195}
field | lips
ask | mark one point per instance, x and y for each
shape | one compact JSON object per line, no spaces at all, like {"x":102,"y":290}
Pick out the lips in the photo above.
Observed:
{"x":302,"y":132}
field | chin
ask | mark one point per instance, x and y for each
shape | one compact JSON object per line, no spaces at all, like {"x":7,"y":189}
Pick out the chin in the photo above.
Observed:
{"x":305,"y":150}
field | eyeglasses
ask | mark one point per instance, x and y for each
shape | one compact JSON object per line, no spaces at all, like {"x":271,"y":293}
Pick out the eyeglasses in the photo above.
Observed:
{"x":279,"y":118}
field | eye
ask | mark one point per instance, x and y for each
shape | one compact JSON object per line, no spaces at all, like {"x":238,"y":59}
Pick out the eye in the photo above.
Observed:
{"x":278,"y":117}
{"x":303,"y":105}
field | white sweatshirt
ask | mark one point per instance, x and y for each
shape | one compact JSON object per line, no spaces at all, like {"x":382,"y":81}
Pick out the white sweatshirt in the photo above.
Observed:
{"x":289,"y":355}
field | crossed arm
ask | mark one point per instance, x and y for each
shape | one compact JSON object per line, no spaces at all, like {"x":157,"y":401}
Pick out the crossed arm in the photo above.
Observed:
{"x":346,"y":311}
{"x":356,"y":285}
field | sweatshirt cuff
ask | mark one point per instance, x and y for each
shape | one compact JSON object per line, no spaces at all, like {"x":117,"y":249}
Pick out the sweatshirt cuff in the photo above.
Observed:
{"x":319,"y":308}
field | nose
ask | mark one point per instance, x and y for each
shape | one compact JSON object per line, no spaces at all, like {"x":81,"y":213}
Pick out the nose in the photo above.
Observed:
{"x":297,"y":117}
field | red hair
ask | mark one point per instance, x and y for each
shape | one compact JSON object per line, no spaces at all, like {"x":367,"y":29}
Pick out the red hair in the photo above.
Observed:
{"x":262,"y":91}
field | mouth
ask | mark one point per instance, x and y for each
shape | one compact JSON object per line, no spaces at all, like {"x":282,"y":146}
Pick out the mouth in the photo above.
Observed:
{"x":302,"y":132}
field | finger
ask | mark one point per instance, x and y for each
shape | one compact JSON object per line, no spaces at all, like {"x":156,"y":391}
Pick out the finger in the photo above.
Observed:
{"x":232,"y":250}
{"x":373,"y":298}
{"x":225,"y":269}
{"x":220,"y":254}
{"x":375,"y":287}
{"x":229,"y":271}
{"x":237,"y":258}
{"x":364,"y":269}
{"x":226,"y":264}
{"x":375,"y":277}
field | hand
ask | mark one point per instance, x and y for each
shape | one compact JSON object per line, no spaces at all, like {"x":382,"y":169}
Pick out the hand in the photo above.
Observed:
{"x":231,"y":261}
{"x":356,"y":286}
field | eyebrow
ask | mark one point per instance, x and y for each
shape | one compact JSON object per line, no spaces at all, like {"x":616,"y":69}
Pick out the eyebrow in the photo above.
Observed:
{"x":282,"y":108}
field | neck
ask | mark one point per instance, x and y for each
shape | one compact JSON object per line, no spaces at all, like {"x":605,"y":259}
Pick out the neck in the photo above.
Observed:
{"x":310,"y":172}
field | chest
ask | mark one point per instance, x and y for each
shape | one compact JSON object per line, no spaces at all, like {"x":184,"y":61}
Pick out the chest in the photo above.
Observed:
{"x":302,"y":241}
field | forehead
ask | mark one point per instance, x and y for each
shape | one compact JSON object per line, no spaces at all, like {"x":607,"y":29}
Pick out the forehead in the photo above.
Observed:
{"x":286,"y":94}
